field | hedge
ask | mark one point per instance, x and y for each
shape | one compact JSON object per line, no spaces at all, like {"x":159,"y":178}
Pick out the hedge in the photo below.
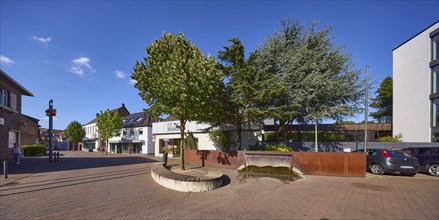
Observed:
{"x":34,"y":149}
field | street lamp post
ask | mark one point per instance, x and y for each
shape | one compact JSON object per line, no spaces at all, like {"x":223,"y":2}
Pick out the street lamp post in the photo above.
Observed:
{"x":366,"y":107}
{"x":50,"y":130}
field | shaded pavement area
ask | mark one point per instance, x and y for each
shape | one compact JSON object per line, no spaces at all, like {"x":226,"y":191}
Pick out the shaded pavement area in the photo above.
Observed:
{"x":87,"y":185}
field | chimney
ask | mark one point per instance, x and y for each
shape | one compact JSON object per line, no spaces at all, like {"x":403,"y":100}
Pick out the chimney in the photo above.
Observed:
{"x":123,"y":105}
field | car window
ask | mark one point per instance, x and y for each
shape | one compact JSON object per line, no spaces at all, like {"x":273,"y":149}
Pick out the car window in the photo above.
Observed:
{"x":425,"y":151}
{"x":371,"y":152}
{"x":399,"y":153}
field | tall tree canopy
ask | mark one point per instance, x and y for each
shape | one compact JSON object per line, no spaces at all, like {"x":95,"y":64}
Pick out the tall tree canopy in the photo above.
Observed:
{"x":315,"y":80}
{"x":177,"y":79}
{"x":383,"y":102}
{"x":243,"y":87}
{"x":109,"y":125}
{"x":74,"y":132}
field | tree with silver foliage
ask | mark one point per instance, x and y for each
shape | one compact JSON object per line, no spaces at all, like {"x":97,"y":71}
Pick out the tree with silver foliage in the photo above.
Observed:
{"x":178,"y":80}
{"x":315,"y":80}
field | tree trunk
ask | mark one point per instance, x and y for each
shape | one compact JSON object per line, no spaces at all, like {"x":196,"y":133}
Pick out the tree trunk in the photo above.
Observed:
{"x":106,"y":147}
{"x":238,"y":136}
{"x":182,"y":143}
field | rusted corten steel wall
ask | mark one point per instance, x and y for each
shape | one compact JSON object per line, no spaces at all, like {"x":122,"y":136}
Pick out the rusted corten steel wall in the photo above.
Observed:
{"x":310,"y":163}
{"x":331,"y":163}
{"x":216,"y":159}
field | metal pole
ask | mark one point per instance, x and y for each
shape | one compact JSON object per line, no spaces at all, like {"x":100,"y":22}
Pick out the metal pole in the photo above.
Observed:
{"x":316,"y":148}
{"x":366,"y":108}
{"x":5,"y":169}
{"x":50,"y":131}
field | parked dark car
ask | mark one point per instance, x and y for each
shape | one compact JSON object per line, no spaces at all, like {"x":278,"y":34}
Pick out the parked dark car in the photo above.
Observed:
{"x":428,"y":158}
{"x":381,"y":161}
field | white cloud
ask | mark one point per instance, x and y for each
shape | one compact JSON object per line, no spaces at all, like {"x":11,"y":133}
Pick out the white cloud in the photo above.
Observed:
{"x":80,"y":66}
{"x":132,"y":81}
{"x":42,"y":40}
{"x":6,"y":60}
{"x":120,"y":74}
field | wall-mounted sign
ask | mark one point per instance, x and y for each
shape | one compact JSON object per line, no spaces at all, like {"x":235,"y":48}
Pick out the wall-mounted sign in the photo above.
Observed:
{"x":172,"y":127}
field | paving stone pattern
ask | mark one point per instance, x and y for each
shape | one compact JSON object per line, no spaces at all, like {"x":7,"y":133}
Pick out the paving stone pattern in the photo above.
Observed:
{"x":87,"y":185}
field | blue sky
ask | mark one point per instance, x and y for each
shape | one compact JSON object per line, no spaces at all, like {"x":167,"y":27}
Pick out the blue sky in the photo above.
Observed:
{"x":81,"y":53}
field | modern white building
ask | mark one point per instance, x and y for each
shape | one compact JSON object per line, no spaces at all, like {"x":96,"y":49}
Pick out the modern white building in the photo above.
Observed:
{"x":416,"y":87}
{"x":135,"y":136}
{"x":166,"y":136}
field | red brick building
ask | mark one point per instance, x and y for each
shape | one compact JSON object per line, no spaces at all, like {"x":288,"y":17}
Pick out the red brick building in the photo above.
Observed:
{"x":10,"y":113}
{"x":30,"y":130}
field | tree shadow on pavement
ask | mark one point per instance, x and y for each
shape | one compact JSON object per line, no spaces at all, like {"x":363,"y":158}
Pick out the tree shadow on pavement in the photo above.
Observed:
{"x":30,"y":165}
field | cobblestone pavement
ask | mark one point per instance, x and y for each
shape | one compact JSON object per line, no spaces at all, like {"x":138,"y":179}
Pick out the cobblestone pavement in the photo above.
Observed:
{"x":91,"y":186}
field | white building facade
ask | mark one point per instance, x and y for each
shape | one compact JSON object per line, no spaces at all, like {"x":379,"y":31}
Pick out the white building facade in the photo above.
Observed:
{"x":135,"y":136}
{"x":166,"y":136}
{"x":416,"y":87}
{"x":91,"y":141}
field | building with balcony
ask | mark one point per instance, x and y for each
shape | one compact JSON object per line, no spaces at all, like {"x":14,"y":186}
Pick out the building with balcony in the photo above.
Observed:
{"x":416,"y":87}
{"x":136,"y":135}
{"x":11,"y":119}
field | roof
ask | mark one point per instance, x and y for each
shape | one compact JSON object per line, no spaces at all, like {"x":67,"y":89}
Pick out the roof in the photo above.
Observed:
{"x":12,"y":81}
{"x":416,"y":35}
{"x":171,"y":118}
{"x":31,"y":118}
{"x":120,"y":109}
{"x":139,"y":119}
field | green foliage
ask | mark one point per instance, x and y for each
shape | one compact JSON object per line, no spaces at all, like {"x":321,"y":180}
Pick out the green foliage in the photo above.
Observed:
{"x":277,"y":147}
{"x":222,"y":139}
{"x":242,"y":88}
{"x":383,"y":102}
{"x":109,"y":124}
{"x":397,"y":138}
{"x":313,"y":79}
{"x":177,"y":79}
{"x":34,"y":149}
{"x":191,"y":141}
{"x":74,"y":132}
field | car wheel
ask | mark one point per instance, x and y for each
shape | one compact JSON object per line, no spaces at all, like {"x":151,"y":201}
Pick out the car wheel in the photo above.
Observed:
{"x":377,"y":169}
{"x":433,"y":169}
{"x":408,"y":174}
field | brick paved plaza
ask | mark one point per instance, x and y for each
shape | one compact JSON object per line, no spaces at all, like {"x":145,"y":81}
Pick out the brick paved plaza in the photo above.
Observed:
{"x":90,"y":186}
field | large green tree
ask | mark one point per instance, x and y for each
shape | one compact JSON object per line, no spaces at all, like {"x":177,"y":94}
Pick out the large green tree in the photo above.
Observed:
{"x":383,"y":102}
{"x":316,"y":79}
{"x":109,"y":125}
{"x":74,"y":132}
{"x":177,"y":79}
{"x":242,"y":88}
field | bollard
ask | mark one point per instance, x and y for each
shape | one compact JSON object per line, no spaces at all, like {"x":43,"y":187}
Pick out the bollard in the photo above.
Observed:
{"x":5,"y":169}
{"x":57,"y":156}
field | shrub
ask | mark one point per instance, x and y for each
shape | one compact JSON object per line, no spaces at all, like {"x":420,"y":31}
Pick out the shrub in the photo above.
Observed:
{"x":222,"y":139}
{"x":34,"y":149}
{"x":397,"y":138}
{"x":277,"y":147}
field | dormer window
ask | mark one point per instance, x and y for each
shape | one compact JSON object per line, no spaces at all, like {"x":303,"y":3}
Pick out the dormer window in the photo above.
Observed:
{"x":139,"y":119}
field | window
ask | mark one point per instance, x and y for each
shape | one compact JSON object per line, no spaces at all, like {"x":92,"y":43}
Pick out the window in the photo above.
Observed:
{"x":435,"y":47}
{"x":124,"y":131}
{"x":139,"y":119}
{"x":4,"y":97}
{"x":140,"y":130}
{"x":132,"y":131}
{"x":435,"y":81}
{"x":435,"y":112}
